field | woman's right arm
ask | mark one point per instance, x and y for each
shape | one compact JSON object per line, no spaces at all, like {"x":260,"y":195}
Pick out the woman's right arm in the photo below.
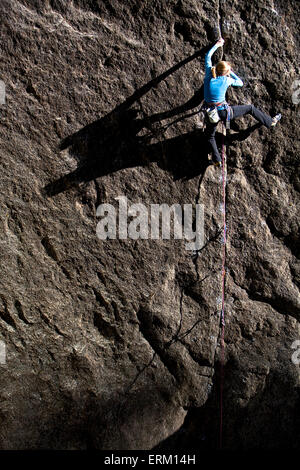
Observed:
{"x":208,"y":56}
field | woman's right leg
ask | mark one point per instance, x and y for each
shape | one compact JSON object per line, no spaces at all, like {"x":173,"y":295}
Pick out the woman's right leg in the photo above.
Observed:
{"x":241,"y":110}
{"x":210,"y":132}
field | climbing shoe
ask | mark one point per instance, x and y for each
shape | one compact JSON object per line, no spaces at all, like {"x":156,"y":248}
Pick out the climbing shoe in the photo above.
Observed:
{"x":275,"y":119}
{"x":217,"y":164}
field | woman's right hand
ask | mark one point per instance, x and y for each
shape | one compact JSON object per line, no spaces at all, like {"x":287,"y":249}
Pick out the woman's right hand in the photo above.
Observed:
{"x":220,"y":42}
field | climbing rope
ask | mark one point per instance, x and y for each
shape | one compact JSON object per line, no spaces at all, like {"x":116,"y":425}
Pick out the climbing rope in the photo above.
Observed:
{"x":223,"y":274}
{"x":218,"y":28}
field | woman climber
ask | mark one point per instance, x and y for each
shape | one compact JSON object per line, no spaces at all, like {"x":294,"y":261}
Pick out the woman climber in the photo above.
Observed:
{"x":217,"y":80}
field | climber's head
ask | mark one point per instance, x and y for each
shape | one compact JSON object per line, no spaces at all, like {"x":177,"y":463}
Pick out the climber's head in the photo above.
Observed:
{"x":222,"y":68}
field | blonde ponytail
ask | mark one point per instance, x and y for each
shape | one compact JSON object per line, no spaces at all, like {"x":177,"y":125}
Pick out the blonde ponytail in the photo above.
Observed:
{"x":213,"y":72}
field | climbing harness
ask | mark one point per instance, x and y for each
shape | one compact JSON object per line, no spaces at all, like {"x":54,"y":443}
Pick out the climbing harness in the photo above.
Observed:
{"x":211,"y":110}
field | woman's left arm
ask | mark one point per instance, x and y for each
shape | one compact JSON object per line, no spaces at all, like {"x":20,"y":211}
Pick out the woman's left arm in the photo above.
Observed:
{"x":235,"y":80}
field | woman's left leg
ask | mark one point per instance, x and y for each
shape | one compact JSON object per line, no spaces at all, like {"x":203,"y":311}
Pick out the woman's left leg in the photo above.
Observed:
{"x":241,"y":110}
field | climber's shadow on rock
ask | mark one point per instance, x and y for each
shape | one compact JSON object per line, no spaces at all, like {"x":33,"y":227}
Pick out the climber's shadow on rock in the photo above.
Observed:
{"x":122,"y":139}
{"x":106,"y":147}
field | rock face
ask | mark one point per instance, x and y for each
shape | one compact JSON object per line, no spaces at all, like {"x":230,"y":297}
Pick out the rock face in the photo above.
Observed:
{"x":116,"y":344}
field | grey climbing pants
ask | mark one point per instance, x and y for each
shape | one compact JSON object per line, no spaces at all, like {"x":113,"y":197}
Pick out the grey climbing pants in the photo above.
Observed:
{"x":236,"y":111}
